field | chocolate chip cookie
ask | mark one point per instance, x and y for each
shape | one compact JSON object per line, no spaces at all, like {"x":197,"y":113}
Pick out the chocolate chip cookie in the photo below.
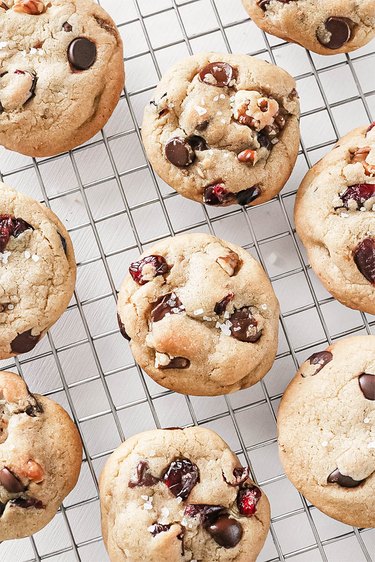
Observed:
{"x":181,"y":495}
{"x":61,"y":73}
{"x":223,"y":129}
{"x":37,"y":271}
{"x":335,"y":219}
{"x":200,"y":314}
{"x":326,"y":427}
{"x":40,"y":458}
{"x":327,"y":28}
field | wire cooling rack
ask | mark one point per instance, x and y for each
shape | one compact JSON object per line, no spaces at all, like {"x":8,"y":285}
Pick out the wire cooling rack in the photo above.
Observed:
{"x":113,"y":205}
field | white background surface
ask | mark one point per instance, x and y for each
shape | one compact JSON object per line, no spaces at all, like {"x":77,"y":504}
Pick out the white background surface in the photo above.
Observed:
{"x":113,"y":205}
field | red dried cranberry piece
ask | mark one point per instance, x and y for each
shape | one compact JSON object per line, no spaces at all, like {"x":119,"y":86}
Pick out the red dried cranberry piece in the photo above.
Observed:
{"x":180,"y":477}
{"x":244,"y":326}
{"x":144,"y":476}
{"x":370,"y":127}
{"x":220,"y":307}
{"x":148,"y":268}
{"x":218,"y":74}
{"x":247,"y":500}
{"x":240,"y":474}
{"x":359,"y":193}
{"x":218,"y":195}
{"x":10,"y":226}
{"x":364,"y":257}
{"x":168,"y":304}
{"x":344,"y":481}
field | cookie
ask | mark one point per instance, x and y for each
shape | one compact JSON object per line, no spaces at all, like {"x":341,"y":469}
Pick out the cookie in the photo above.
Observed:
{"x":201,"y":315}
{"x":37,"y":271}
{"x":181,"y":495}
{"x":335,"y":219}
{"x":40,"y":458}
{"x":61,"y":73}
{"x":223,"y":129}
{"x":326,"y":425}
{"x":327,"y":28}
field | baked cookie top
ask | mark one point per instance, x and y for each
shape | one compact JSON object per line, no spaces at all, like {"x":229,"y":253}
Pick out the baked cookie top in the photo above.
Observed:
{"x":326,"y":427}
{"x":61,"y":73}
{"x":201,"y":315}
{"x":223,"y":129}
{"x":327,"y":28}
{"x":335,"y":218}
{"x":40,"y":458}
{"x":184,"y":496}
{"x":37,"y":271}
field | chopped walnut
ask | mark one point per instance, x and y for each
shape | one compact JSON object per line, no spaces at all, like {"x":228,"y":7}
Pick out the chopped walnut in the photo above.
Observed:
{"x":229,"y":263}
{"x":254,"y":110}
{"x":31,"y":7}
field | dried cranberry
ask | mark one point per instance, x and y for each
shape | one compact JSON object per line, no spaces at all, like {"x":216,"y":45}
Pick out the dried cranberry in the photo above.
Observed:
{"x":244,"y":326}
{"x":167,"y":304}
{"x":144,"y":476}
{"x":180,"y":477}
{"x":364,"y":257}
{"x":10,"y":226}
{"x":218,"y":195}
{"x":247,"y":500}
{"x":220,"y":307}
{"x":218,"y":74}
{"x":358,"y":193}
{"x":148,"y":268}
{"x":240,"y":474}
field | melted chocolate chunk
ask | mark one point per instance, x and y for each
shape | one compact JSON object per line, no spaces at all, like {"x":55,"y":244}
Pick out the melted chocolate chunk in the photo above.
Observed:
{"x":10,"y":226}
{"x":157,"y":528}
{"x":248,"y":195}
{"x":82,"y":53}
{"x":218,"y":74}
{"x":122,"y":328}
{"x":344,"y":481}
{"x":148,"y":268}
{"x":197,"y":143}
{"x":320,"y":359}
{"x":176,"y":363}
{"x":63,"y":243}
{"x":206,"y":513}
{"x":364,"y":258}
{"x":338,"y":31}
{"x":244,"y":326}
{"x":225,"y":531}
{"x":26,"y":503}
{"x":264,"y":140}
{"x":10,"y":482}
{"x":367,"y":385}
{"x":144,"y":477}
{"x":217,"y":195}
{"x":168,"y":304}
{"x":23,"y":343}
{"x":180,"y":477}
{"x":67,"y":27}
{"x":240,"y":474}
{"x":220,"y":307}
{"x":179,"y":152}
{"x":34,"y":408}
{"x":247,"y":500}
{"x":2,"y":508}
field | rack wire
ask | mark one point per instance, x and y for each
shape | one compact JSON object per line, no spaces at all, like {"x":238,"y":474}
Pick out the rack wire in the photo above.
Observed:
{"x":114,"y":206}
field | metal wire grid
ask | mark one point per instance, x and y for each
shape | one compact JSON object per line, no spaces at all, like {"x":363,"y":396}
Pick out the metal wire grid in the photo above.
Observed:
{"x":85,"y":365}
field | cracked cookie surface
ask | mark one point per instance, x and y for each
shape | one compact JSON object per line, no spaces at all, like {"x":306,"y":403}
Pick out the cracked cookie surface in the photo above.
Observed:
{"x":223,"y":129}
{"x":335,"y":219}
{"x":326,"y":425}
{"x":184,"y":496}
{"x":40,"y":458}
{"x":61,"y":73}
{"x":37,"y":271}
{"x":327,"y":28}
{"x":201,"y":315}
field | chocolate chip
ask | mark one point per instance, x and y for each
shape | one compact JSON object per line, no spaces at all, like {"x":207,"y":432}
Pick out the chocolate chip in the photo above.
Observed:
{"x":264,"y":140}
{"x":34,"y":408}
{"x":10,"y":226}
{"x":144,"y":476}
{"x":218,"y":74}
{"x":202,"y":126}
{"x":23,"y":343}
{"x":157,"y":528}
{"x":206,"y":513}
{"x":197,"y":143}
{"x":225,"y":531}
{"x":179,"y":152}
{"x":176,"y":363}
{"x":244,"y":326}
{"x":337,"y":31}
{"x":122,"y":329}
{"x":248,"y":195}
{"x":320,"y":359}
{"x":2,"y":508}
{"x":63,"y":243}
{"x":82,"y":53}
{"x":367,"y":385}
{"x":240,"y":474}
{"x":220,"y":307}
{"x":344,"y":481}
{"x":248,"y":499}
{"x":10,"y":482}
{"x":67,"y":27}
{"x":147,"y":268}
{"x":168,"y":304}
{"x":26,"y":503}
{"x":180,"y":477}
{"x":217,"y":195}
{"x":364,"y":258}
